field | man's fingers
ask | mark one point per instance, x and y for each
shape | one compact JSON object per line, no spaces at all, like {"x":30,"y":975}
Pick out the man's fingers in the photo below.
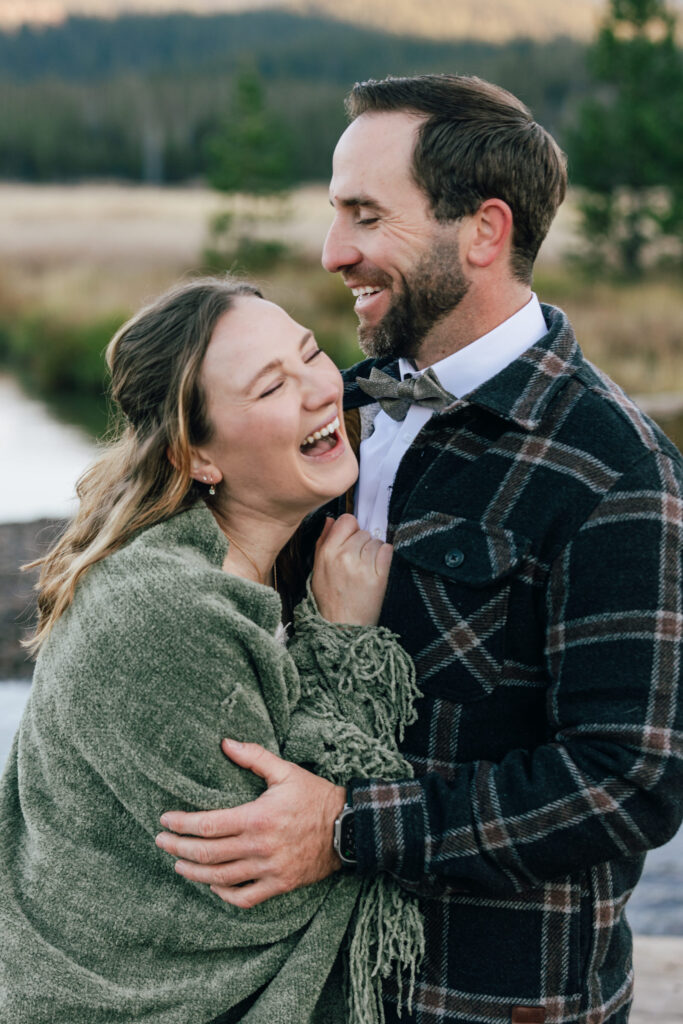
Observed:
{"x":258,"y":760}
{"x":220,"y":874}
{"x":207,"y":824}
{"x":246,"y":896}
{"x":211,"y":851}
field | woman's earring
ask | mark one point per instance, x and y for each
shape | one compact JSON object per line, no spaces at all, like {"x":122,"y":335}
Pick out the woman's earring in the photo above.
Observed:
{"x":212,"y":490}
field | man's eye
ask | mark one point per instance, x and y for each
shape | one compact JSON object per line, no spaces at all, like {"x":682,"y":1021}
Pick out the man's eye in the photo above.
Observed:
{"x":311,"y":356}
{"x":367,"y":220}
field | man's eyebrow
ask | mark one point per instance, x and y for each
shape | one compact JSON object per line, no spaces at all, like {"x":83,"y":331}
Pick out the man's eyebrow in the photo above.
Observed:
{"x":275,"y":363}
{"x":366,"y":201}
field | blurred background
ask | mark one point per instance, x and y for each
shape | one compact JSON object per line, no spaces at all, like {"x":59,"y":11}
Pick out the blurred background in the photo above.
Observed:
{"x":142,"y":141}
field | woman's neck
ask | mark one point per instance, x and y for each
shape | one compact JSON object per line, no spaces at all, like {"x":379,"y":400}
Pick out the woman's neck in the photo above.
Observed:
{"x":255,"y":542}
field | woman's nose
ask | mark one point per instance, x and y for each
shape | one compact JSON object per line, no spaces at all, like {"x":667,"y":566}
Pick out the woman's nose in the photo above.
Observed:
{"x":323,"y":389}
{"x":338,"y":252}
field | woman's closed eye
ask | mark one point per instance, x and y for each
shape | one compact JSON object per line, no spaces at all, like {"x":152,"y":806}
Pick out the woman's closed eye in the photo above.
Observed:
{"x":276,"y":385}
{"x":272,"y":388}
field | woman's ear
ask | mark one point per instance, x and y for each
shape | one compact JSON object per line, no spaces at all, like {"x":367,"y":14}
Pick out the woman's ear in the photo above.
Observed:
{"x":201,"y":468}
{"x":490,"y":232}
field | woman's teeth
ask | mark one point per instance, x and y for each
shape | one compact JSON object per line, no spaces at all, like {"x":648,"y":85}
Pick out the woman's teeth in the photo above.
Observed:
{"x":330,"y":428}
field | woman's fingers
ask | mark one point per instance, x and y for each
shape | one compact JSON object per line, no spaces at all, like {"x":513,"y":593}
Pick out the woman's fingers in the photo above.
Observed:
{"x":383,"y":559}
{"x":350,"y":573}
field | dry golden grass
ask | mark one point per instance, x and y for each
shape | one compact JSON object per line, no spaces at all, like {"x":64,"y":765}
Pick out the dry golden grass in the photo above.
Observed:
{"x":82,"y":252}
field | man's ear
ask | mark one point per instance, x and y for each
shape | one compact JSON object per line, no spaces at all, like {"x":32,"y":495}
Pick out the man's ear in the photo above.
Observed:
{"x":490,"y":233}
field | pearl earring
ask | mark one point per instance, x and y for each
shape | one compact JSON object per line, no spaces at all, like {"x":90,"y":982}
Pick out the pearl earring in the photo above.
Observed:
{"x":212,"y":490}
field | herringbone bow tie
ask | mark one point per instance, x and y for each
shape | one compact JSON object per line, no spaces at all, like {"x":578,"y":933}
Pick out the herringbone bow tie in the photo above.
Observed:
{"x":396,"y":397}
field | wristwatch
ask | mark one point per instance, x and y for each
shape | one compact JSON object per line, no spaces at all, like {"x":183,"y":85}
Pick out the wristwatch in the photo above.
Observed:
{"x":344,"y":837}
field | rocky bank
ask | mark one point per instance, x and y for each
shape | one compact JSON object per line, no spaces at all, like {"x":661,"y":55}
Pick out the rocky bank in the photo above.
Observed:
{"x":20,"y":543}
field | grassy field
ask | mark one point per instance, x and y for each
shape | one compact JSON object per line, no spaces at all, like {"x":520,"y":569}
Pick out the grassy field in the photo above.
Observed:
{"x":76,"y":260}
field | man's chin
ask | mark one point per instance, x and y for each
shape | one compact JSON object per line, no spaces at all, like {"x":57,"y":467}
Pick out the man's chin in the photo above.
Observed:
{"x":379,"y":343}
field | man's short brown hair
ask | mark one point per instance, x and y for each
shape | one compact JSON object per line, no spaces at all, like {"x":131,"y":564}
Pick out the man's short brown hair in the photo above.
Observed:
{"x":478,"y":142}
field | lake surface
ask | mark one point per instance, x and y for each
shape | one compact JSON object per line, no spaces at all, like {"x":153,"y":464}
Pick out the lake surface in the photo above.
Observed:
{"x":656,"y":907}
{"x":41,"y":459}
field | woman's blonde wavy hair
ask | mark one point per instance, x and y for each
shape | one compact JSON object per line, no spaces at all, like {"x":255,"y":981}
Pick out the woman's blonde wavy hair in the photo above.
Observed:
{"x":143,"y":477}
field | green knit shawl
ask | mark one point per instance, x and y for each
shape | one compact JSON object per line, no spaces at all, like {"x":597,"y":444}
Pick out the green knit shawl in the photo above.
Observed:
{"x":161,"y":655}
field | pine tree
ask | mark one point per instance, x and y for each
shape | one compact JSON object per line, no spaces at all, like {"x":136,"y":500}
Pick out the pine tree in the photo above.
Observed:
{"x":627,"y":148}
{"x":253,"y":150}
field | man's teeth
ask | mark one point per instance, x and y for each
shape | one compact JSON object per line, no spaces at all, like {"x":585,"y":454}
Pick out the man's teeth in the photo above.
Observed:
{"x":323,"y":432}
{"x":368,"y":290}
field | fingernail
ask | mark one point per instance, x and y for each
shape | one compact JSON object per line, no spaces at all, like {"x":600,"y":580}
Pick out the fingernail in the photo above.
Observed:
{"x":180,"y":867}
{"x":165,"y":820}
{"x":235,"y":744}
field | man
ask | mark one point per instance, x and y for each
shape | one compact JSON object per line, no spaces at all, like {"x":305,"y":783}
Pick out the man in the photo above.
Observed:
{"x":535,"y":515}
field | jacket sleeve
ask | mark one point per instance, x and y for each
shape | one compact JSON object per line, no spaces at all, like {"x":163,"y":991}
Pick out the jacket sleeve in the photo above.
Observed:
{"x":608,"y":781}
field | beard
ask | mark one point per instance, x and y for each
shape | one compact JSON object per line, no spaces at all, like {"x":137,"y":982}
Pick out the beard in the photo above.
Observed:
{"x":432,"y":290}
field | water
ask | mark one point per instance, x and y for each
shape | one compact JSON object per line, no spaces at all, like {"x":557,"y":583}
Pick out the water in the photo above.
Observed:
{"x":41,"y":459}
{"x":656,"y":907}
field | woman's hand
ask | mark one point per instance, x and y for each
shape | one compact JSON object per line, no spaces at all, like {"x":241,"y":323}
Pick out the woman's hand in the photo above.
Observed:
{"x":350,"y":573}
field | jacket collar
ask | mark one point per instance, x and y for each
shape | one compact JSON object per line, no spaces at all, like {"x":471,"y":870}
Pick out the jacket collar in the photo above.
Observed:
{"x":520,"y":393}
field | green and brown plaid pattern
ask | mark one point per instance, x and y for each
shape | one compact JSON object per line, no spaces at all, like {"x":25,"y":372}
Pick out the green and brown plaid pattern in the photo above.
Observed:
{"x":536,"y":581}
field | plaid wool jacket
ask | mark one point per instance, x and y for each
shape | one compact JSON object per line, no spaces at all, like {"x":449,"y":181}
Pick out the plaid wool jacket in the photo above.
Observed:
{"x":536,"y":582}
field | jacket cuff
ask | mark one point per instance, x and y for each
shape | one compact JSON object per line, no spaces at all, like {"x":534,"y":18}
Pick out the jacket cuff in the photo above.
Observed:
{"x":390,"y":822}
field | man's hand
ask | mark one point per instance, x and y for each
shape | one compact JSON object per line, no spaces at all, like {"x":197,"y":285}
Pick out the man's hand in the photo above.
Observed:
{"x":276,"y":843}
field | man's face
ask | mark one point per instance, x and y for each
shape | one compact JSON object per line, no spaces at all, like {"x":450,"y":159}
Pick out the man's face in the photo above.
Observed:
{"x":402,"y":265}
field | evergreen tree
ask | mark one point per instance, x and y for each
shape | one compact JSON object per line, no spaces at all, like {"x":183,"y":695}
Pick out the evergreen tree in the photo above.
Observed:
{"x":627,"y":148}
{"x":253,"y":150}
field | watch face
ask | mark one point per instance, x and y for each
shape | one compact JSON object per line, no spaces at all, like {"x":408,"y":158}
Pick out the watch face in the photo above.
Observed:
{"x":347,"y":837}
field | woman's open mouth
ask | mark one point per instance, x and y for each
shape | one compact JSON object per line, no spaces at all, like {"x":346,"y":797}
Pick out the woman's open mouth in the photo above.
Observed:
{"x":322,"y":441}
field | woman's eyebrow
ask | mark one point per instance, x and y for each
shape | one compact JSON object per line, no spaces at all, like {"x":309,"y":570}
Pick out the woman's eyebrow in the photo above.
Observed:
{"x":275,"y":363}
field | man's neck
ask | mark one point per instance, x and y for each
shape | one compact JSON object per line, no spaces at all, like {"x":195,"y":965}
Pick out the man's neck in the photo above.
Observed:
{"x":477,"y":314}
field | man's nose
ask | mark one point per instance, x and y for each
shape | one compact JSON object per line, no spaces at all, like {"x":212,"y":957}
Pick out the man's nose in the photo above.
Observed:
{"x":338,"y":251}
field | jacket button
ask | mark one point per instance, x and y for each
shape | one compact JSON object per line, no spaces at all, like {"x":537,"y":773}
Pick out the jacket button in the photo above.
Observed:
{"x":454,"y":558}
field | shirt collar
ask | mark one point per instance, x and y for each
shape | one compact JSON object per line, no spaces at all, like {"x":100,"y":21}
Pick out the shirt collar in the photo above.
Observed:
{"x":520,"y":392}
{"x":470,"y":367}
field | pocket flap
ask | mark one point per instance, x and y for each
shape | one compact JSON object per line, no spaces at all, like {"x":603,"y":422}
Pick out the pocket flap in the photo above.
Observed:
{"x":461,"y":549}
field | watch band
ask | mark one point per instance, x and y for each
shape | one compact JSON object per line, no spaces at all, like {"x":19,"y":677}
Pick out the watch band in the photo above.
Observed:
{"x":344,"y":837}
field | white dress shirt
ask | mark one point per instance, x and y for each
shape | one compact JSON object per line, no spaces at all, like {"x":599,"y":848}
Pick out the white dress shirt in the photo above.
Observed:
{"x":459,"y":373}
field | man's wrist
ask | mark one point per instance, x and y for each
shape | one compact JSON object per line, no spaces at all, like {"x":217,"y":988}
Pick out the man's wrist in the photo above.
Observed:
{"x":344,"y":837}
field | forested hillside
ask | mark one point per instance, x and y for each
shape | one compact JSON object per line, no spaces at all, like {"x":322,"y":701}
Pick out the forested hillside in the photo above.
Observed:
{"x":493,"y":20}
{"x":138,"y":97}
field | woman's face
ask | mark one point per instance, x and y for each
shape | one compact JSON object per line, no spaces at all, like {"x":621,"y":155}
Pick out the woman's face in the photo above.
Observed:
{"x":269,"y":391}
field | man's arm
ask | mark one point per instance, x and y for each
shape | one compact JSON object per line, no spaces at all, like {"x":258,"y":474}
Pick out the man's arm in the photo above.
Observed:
{"x":609,"y":781}
{"x":278,"y":842}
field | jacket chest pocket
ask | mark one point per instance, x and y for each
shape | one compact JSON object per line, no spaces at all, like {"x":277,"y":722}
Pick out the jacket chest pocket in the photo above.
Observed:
{"x":449,"y":593}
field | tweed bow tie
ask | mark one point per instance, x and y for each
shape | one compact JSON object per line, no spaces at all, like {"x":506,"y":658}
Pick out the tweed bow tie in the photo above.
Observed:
{"x":396,"y":397}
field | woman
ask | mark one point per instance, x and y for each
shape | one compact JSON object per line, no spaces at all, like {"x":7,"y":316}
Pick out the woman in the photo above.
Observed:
{"x":160,"y":633}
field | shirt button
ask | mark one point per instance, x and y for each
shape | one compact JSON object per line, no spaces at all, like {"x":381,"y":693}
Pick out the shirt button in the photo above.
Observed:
{"x":376,"y":532}
{"x":407,"y":436}
{"x":454,"y":558}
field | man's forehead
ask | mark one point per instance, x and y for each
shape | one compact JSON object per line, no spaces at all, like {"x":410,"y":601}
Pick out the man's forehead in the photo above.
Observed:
{"x":373,"y":154}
